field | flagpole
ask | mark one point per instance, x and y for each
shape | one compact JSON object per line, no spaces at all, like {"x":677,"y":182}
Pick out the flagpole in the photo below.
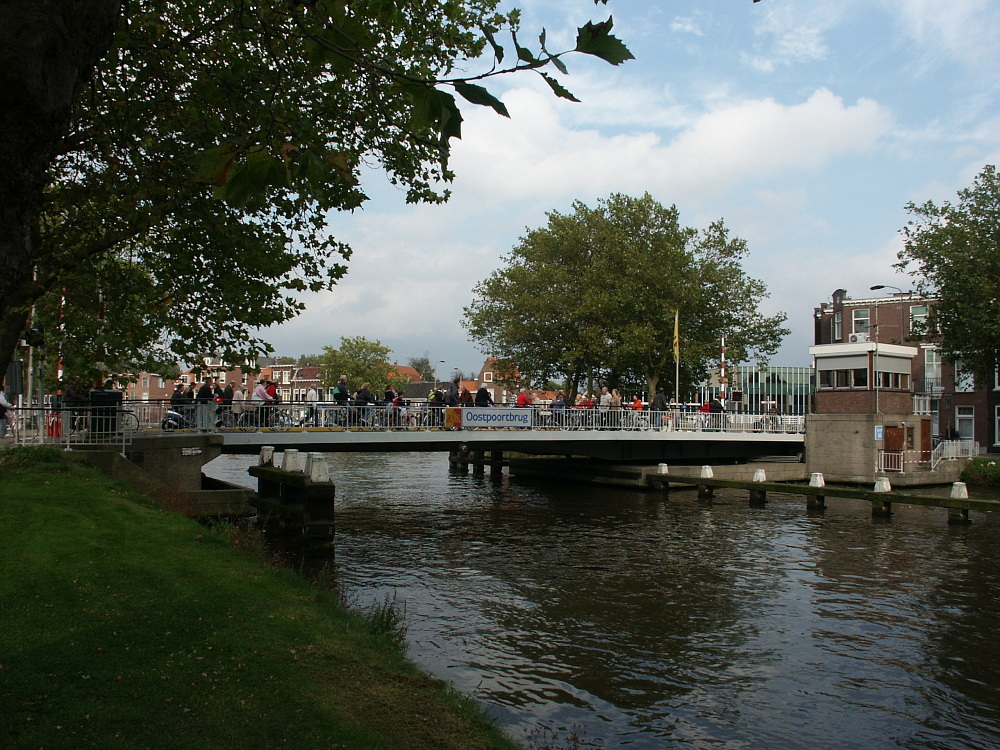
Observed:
{"x":677,"y":359}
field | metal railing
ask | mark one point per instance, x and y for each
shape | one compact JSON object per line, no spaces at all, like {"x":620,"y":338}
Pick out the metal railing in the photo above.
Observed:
{"x":948,"y":450}
{"x":890,"y":460}
{"x":73,"y":428}
{"x":85,"y":425}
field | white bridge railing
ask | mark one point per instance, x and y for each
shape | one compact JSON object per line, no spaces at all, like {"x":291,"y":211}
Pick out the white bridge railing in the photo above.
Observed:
{"x":120,"y":423}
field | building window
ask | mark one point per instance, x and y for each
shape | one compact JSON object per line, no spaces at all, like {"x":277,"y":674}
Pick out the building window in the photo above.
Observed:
{"x":996,"y":425}
{"x":965,"y":422}
{"x":838,"y":326}
{"x":487,"y":377}
{"x":145,"y":381}
{"x":932,"y":370}
{"x":918,"y":317}
{"x":965,"y":382}
{"x":162,"y":382}
{"x":861,"y":378}
{"x":861,"y":320}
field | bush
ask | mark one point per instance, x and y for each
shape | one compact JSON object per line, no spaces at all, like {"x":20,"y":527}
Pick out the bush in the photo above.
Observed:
{"x":982,"y":471}
{"x":33,"y":455}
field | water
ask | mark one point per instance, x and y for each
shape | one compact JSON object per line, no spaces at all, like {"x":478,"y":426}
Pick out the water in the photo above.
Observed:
{"x":638,"y":623}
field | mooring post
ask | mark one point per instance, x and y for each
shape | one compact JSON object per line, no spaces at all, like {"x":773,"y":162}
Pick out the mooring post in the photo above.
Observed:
{"x":705,"y":491}
{"x":664,"y":486}
{"x":959,"y":515}
{"x":758,"y":496}
{"x":881,"y":506}
{"x":816,"y":502}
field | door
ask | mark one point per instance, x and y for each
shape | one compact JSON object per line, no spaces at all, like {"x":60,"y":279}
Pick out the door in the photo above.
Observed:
{"x":965,"y":422}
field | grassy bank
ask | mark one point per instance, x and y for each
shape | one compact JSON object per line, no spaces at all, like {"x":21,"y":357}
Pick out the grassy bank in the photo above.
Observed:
{"x":125,"y":625}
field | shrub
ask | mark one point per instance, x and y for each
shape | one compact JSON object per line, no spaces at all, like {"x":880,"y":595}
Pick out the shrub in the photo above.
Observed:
{"x":983,"y":471}
{"x":33,"y":455}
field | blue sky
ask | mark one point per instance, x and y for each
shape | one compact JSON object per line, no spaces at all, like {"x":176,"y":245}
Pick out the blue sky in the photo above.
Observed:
{"x":807,"y":125}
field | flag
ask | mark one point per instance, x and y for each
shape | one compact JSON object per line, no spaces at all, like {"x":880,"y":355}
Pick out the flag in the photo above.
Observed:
{"x":677,"y":338}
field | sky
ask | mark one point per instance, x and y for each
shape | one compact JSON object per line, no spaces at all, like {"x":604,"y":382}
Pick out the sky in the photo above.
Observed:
{"x":806,"y":125}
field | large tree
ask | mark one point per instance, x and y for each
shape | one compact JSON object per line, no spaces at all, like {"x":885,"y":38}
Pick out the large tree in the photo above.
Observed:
{"x":953,"y":251}
{"x":172,"y":164}
{"x":362,"y":361}
{"x":596,"y":291}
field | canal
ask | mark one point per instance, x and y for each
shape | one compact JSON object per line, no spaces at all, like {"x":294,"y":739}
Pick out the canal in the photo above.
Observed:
{"x":595,"y":617}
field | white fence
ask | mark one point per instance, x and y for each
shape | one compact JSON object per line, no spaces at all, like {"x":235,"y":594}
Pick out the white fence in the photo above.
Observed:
{"x":114,"y":425}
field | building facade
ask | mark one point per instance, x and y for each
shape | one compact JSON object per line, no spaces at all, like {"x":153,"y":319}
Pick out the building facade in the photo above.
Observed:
{"x":869,"y":359}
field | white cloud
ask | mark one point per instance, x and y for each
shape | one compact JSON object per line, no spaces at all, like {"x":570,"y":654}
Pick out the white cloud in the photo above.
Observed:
{"x":966,"y":30}
{"x":791,"y":34}
{"x":686,"y":25}
{"x":534,"y":155}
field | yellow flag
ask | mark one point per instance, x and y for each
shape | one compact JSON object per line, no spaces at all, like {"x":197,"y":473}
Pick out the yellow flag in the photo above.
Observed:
{"x":677,"y":337}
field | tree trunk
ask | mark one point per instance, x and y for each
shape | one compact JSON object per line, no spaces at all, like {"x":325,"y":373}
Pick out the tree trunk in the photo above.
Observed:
{"x":48,"y":49}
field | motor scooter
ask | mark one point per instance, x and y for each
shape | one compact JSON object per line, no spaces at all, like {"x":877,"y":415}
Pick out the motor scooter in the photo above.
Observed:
{"x":180,"y":419}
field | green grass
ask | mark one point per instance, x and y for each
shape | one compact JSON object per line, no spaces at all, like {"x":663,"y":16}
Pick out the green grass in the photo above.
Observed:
{"x":125,"y":625}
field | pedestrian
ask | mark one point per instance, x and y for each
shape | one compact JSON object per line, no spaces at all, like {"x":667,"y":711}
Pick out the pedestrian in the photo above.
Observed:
{"x":261,"y":401}
{"x":483,"y":397}
{"x":6,"y":411}
{"x":203,"y":400}
{"x":659,"y":405}
{"x":312,"y":398}
{"x":239,"y":401}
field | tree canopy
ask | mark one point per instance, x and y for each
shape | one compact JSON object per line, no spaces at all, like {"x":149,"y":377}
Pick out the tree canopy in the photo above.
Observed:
{"x":362,"y":361}
{"x":595,"y":292}
{"x":169,"y":167}
{"x":953,"y":251}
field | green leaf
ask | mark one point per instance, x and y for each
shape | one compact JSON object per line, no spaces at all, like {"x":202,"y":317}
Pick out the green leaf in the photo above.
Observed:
{"x":596,"y":39}
{"x":497,"y":49}
{"x":215,"y":164}
{"x":479,"y":95}
{"x":558,"y":89}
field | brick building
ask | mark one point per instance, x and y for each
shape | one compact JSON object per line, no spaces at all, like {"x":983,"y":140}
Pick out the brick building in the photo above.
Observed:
{"x":867,"y":362}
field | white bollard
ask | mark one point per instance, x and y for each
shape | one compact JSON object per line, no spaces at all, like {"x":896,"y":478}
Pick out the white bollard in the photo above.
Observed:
{"x":706,"y":472}
{"x":882,"y":485}
{"x":663,"y":469}
{"x":758,"y":475}
{"x":266,"y":455}
{"x":290,"y":460}
{"x":959,"y":491}
{"x":319,"y":471}
{"x":816,"y":479}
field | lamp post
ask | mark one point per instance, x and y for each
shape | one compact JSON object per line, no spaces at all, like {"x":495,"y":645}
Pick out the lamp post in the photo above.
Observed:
{"x":890,"y":286}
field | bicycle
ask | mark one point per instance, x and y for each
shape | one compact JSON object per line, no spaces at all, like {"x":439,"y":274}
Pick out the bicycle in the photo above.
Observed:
{"x":128,"y":422}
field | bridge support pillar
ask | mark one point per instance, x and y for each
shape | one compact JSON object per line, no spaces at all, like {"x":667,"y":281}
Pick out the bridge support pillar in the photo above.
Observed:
{"x":479,"y":463}
{"x":758,"y":497}
{"x":705,"y":492}
{"x":458,"y":460}
{"x":496,"y":464}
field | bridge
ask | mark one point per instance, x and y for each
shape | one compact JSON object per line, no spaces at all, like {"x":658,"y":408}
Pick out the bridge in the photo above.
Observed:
{"x":615,"y":435}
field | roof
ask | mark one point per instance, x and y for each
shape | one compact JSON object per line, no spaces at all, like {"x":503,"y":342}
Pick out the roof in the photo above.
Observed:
{"x":405,"y":371}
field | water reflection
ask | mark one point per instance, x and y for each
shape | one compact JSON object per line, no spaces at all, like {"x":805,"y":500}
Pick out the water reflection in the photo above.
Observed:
{"x":686,"y":623}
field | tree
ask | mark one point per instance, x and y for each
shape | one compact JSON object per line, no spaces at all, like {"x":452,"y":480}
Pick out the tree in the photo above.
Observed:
{"x":197,"y":148}
{"x":594,"y":293}
{"x":362,"y":361}
{"x":953,"y":251}
{"x":423,"y":366}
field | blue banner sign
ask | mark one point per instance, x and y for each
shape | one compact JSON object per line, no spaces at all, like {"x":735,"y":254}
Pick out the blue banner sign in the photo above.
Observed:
{"x":496,"y":418}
